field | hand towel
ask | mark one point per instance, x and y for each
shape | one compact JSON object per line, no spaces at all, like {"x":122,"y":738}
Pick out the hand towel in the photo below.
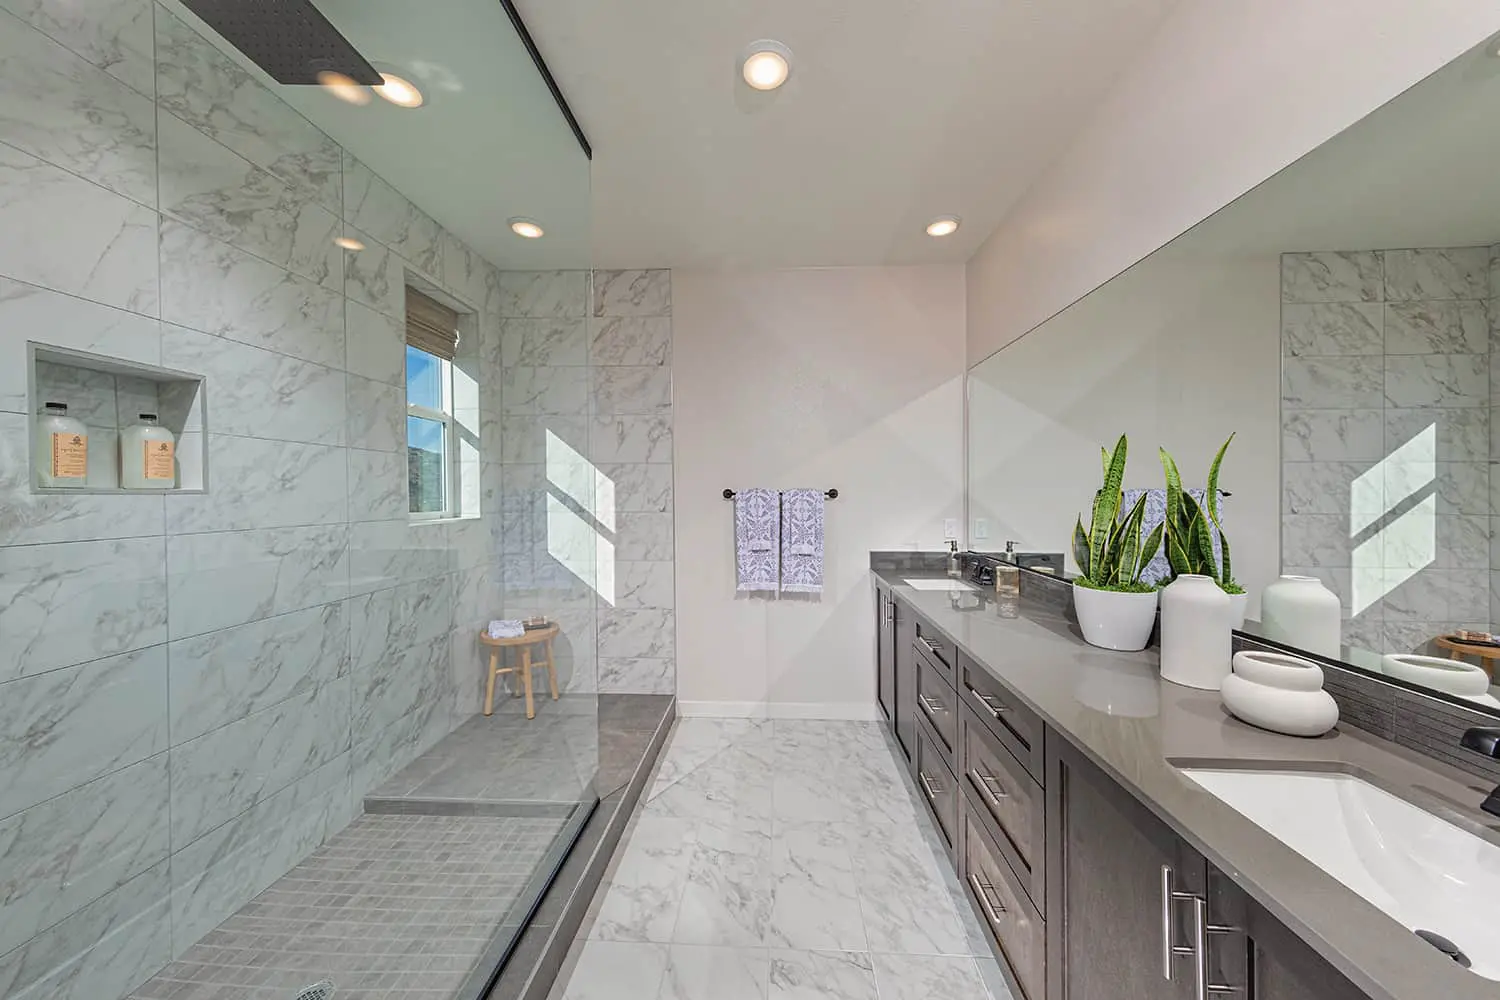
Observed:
{"x":506,"y":629}
{"x":757,"y":537}
{"x":802,"y":541}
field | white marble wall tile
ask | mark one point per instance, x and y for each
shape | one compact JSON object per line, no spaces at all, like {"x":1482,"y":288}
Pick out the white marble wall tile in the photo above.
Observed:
{"x":232,"y":577}
{"x":619,"y":390}
{"x":1463,"y":541}
{"x":106,"y":949}
{"x":230,"y":769}
{"x":88,"y":394}
{"x":1413,"y":636}
{"x":218,"y":873}
{"x":68,"y":602}
{"x":1433,"y":327}
{"x":58,"y":106}
{"x":391,"y":621}
{"x":637,"y":675}
{"x":536,"y":343}
{"x":1439,"y":380}
{"x":633,"y":293}
{"x":639,"y":438}
{"x":68,"y":851}
{"x":465,"y":272}
{"x":627,"y":633}
{"x":375,"y":276}
{"x":210,"y":91}
{"x":380,"y":210}
{"x":224,"y":676}
{"x":134,"y":396}
{"x":642,"y":536}
{"x":256,"y":393}
{"x":1460,"y":435}
{"x":1315,"y":540}
{"x":1332,"y":329}
{"x":114,"y":35}
{"x":542,"y":294}
{"x":213,"y":189}
{"x":1438,"y":595}
{"x":1440,"y":273}
{"x":1348,"y":488}
{"x":1332,"y":276}
{"x":66,"y":234}
{"x":385,"y":553}
{"x":468,"y":542}
{"x":544,"y":390}
{"x":523,"y":439}
{"x":28,"y":518}
{"x":1332,"y":383}
{"x":1460,"y":487}
{"x":256,"y":483}
{"x":641,"y":585}
{"x":635,"y":487}
{"x":377,"y":415}
{"x":630,"y":340}
{"x":211,"y":287}
{"x":405,"y":682}
{"x":69,"y":726}
{"x":376,"y":344}
{"x":1332,"y":435}
{"x":103,"y":461}
{"x":377,"y":485}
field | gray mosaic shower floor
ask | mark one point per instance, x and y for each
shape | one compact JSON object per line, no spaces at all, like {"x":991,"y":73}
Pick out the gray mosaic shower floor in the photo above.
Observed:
{"x":396,"y":907}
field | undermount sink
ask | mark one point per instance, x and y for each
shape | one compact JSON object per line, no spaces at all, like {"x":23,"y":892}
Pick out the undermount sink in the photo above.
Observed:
{"x":1422,"y":871}
{"x":944,"y":583}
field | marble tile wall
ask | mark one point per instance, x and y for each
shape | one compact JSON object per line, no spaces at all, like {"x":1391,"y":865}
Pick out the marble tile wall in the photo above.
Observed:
{"x":584,"y":397}
{"x":196,"y":690}
{"x":1386,"y":437}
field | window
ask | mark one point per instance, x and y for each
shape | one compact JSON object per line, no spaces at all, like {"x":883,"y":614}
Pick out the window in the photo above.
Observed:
{"x":431,"y":438}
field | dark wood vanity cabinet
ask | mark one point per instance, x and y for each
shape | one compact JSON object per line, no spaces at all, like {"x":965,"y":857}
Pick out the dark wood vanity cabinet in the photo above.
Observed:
{"x":885,"y":653}
{"x":905,"y":662}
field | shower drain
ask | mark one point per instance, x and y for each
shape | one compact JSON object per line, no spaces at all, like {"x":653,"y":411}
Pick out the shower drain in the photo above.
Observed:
{"x":317,"y":991}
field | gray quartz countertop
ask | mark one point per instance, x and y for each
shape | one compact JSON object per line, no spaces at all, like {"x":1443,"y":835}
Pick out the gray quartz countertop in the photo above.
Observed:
{"x":1115,"y":708}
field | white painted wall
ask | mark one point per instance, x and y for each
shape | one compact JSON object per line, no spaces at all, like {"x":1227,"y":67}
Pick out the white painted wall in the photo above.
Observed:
{"x":1224,"y":95}
{"x":1177,"y":353}
{"x":830,"y":377}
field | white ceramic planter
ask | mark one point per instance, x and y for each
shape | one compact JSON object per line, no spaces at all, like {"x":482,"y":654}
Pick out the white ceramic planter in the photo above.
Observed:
{"x":1112,"y":620}
{"x":1279,"y":692}
{"x":1301,"y":612}
{"x":1195,"y":640}
{"x":1448,"y":676}
{"x":1238,"y":605}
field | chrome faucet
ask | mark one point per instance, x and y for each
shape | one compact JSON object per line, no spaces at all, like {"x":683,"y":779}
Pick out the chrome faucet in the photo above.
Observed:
{"x":1485,"y":742}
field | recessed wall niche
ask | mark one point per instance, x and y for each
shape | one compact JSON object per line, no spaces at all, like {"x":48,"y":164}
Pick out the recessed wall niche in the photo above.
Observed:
{"x":107,"y":396}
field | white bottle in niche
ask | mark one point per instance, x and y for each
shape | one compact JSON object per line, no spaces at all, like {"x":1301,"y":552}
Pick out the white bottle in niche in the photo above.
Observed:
{"x":148,"y":453}
{"x":62,"y":448}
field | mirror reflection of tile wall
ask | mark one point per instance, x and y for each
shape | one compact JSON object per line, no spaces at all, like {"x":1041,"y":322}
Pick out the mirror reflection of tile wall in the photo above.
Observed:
{"x":1386,"y":424}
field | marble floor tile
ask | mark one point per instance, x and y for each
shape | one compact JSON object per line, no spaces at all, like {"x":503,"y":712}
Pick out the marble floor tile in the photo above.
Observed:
{"x":821,"y":975}
{"x":698,"y":972}
{"x":616,"y":970}
{"x":646,"y":890}
{"x":928,"y":977}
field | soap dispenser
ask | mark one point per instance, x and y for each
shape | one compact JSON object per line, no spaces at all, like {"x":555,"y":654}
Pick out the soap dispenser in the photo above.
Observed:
{"x":955,"y":568}
{"x":147,"y":454}
{"x":62,"y":448}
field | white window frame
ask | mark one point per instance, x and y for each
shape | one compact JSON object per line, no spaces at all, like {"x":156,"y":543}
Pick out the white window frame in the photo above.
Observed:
{"x":450,"y":442}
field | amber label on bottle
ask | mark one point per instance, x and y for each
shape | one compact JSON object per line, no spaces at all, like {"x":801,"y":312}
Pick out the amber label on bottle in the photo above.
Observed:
{"x":158,"y":459}
{"x":70,"y":456}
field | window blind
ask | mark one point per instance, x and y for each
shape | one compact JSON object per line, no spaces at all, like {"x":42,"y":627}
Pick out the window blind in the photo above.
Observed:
{"x":430,"y":325}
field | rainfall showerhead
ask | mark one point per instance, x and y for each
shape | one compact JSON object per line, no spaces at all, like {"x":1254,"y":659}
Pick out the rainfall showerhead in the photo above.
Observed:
{"x":290,"y":39}
{"x":317,"y":991}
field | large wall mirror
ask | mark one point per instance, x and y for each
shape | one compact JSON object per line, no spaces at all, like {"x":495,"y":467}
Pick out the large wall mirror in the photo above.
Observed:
{"x":1339,"y":321}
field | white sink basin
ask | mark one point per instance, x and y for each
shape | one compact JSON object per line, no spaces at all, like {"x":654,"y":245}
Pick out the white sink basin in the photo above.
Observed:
{"x":946,"y":583}
{"x":1422,"y":871}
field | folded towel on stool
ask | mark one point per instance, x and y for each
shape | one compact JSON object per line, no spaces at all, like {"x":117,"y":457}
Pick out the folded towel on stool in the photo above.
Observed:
{"x":506,"y":629}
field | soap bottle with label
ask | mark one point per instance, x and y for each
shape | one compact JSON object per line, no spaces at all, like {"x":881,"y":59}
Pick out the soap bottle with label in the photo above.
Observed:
{"x":148,"y":453}
{"x":62,"y":448}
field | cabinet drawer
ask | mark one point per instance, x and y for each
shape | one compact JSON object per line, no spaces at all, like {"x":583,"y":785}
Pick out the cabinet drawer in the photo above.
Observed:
{"x":1000,"y":788}
{"x":1004,"y":908}
{"x":938,"y":704}
{"x":1018,"y":728}
{"x":937,"y":784}
{"x":943,"y":653}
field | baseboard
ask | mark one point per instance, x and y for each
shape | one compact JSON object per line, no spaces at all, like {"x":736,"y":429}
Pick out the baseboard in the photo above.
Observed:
{"x":852,"y":711}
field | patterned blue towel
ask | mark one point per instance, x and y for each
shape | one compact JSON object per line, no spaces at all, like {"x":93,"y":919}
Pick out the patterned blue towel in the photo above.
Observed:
{"x":757,"y":538}
{"x":802,"y":541}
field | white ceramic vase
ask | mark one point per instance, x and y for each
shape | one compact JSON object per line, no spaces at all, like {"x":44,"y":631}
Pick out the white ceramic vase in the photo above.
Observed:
{"x":1279,"y":692}
{"x":1114,"y":620}
{"x":1195,"y":643}
{"x":1448,"y":676}
{"x":1301,"y":612}
{"x":1238,"y":605}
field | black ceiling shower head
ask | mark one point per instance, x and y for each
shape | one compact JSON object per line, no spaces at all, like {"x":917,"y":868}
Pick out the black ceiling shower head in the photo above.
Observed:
{"x":290,"y":39}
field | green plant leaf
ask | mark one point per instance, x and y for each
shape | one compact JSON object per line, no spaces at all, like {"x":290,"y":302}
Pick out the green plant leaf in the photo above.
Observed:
{"x":1081,"y":548}
{"x":1130,"y":542}
{"x":1107,"y":501}
{"x":1174,"y":488}
{"x":1211,"y":497}
{"x":1150,"y":546}
{"x":1225,"y":576}
{"x":1177,"y":555}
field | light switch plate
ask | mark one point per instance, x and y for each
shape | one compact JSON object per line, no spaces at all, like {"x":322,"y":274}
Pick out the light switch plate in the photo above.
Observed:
{"x":981,"y":527}
{"x":950,"y":528}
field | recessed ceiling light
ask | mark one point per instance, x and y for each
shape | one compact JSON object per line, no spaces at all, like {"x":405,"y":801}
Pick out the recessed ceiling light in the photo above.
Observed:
{"x":400,"y":92}
{"x":767,"y":64}
{"x":943,"y":225}
{"x":529,"y":228}
{"x":344,"y":88}
{"x":348,"y":243}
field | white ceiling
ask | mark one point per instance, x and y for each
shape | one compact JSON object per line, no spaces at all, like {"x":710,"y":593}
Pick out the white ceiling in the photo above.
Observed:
{"x":488,"y":144}
{"x":896,"y":111}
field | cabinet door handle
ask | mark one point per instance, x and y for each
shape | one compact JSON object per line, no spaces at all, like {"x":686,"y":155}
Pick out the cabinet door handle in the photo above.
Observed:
{"x":989,"y":703}
{"x":932,"y":707}
{"x":1199,"y":948}
{"x":932,"y":788}
{"x":1169,"y":898}
{"x":987,"y":899}
{"x":988,"y":787}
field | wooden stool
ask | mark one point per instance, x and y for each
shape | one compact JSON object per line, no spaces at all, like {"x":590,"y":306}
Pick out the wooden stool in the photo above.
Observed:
{"x":1483,"y":655}
{"x":524,"y":644}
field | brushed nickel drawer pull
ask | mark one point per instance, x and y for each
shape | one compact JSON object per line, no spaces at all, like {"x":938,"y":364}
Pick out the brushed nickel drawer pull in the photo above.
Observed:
{"x":932,"y":788}
{"x":988,"y":787}
{"x":989,"y":706}
{"x":987,"y":899}
{"x":932,"y":706}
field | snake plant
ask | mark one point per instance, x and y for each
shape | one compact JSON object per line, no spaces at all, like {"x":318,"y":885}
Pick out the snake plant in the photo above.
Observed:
{"x":1111,"y":553}
{"x":1190,"y":526}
